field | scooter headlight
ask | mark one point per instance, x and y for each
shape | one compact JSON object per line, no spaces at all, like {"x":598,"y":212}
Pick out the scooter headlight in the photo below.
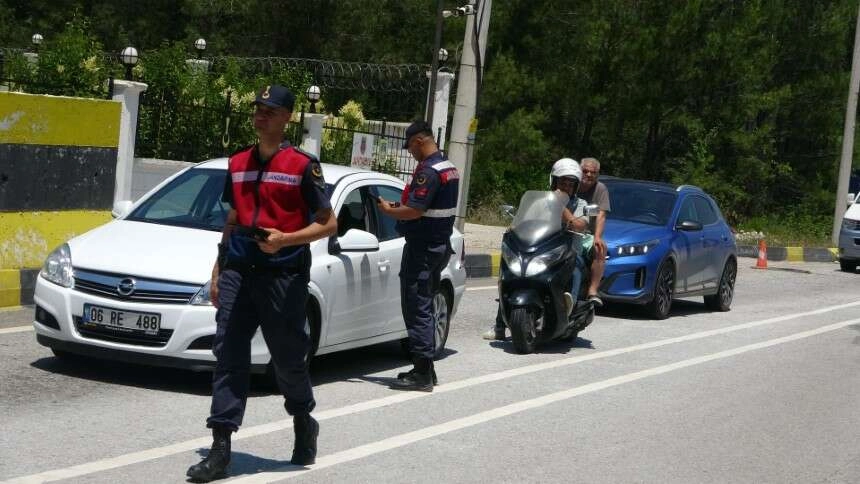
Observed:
{"x":541,"y":262}
{"x":512,"y":259}
{"x":58,"y":267}
{"x":636,"y":249}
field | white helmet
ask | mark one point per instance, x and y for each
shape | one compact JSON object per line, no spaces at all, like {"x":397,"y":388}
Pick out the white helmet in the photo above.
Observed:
{"x":565,"y":167}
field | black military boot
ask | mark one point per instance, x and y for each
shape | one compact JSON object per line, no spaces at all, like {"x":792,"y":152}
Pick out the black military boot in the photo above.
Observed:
{"x":306,"y":429}
{"x":420,"y":378}
{"x":214,"y":466}
{"x":409,"y":373}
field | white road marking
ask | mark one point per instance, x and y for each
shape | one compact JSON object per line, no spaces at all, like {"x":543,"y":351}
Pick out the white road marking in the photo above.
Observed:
{"x":16,"y":329}
{"x":481,"y":288}
{"x":355,"y":453}
{"x":159,"y":452}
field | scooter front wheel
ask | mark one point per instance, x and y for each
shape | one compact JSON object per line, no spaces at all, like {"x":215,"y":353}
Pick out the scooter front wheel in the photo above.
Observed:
{"x":523,"y":331}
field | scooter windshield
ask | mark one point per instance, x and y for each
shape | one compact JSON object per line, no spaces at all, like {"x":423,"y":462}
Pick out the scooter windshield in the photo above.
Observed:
{"x":539,"y":216}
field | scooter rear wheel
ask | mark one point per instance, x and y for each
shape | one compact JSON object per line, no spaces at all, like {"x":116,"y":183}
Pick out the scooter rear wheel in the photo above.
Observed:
{"x":523,"y":332}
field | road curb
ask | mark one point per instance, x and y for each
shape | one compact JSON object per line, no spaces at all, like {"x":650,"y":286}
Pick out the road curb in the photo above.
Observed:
{"x":792,"y":254}
{"x":487,"y":264}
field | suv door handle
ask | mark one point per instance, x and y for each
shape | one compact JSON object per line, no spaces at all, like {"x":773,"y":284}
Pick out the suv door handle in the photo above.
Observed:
{"x":383,"y":265}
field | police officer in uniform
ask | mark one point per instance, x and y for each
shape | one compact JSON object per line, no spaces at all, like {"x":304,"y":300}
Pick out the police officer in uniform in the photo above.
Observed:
{"x":278,"y":206}
{"x":425,"y":217}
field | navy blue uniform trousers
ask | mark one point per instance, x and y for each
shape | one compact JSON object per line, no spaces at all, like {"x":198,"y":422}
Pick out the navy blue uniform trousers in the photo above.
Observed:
{"x":275,"y":301}
{"x":420,"y":269}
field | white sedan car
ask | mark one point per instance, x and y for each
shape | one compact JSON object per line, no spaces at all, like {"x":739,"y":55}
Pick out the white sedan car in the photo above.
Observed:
{"x":137,"y":288}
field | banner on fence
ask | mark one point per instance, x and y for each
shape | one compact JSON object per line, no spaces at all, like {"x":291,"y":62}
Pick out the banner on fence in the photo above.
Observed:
{"x":362,"y":150}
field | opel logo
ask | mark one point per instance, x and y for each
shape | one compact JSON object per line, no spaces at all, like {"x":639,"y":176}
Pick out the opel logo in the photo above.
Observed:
{"x":125,"y":287}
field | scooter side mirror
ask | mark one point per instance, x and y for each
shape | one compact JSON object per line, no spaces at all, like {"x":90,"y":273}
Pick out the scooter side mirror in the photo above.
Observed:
{"x":508,"y":210}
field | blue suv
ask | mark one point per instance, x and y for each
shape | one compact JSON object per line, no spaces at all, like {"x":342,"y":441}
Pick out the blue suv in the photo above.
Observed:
{"x":666,"y":242}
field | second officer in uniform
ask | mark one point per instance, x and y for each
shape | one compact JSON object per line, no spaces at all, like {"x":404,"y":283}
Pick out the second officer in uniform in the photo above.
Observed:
{"x":425,"y":218}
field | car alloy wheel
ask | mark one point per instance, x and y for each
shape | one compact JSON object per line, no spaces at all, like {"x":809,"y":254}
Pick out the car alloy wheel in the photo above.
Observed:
{"x":664,"y":288}
{"x":722,"y":300}
{"x":442,"y":314}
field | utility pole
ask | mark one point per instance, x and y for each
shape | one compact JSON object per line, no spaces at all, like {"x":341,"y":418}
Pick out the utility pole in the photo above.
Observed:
{"x":847,"y":137}
{"x":434,"y":66}
{"x":465,"y":124}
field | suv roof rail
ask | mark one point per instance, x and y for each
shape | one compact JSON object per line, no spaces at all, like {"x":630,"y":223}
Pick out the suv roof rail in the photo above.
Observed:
{"x":690,"y":187}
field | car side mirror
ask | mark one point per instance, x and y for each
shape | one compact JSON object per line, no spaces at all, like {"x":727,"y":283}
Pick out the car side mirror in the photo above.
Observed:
{"x":851,"y":198}
{"x":689,"y":226}
{"x":355,"y":240}
{"x":507,"y":210}
{"x":121,"y":208}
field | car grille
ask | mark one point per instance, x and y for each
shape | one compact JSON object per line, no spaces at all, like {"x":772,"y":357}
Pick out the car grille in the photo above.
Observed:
{"x":145,"y":290}
{"x":115,"y":336}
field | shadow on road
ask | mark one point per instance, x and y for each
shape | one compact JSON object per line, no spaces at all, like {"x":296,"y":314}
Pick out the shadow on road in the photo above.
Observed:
{"x":243,"y":464}
{"x":636,"y":312}
{"x":550,"y":347}
{"x":340,"y":366}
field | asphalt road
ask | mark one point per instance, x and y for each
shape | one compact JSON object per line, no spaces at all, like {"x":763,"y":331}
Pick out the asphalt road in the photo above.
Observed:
{"x":767,"y":392}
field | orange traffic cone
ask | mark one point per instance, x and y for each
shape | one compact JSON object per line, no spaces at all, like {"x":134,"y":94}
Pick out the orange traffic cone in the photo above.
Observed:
{"x":761,"y":262}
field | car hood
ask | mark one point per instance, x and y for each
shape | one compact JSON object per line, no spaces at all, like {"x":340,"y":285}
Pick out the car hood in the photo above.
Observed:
{"x":619,"y":232}
{"x":853,"y":212}
{"x":147,"y":250}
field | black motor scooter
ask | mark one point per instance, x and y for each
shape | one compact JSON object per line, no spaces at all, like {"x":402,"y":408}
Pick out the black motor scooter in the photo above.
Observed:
{"x":537,"y":269}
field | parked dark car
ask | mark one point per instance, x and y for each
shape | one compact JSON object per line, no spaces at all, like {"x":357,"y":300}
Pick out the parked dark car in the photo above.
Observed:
{"x":666,"y":242}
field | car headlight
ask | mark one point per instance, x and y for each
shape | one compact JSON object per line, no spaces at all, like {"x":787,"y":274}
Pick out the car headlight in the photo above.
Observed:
{"x":202,"y":298}
{"x":512,"y":259}
{"x":641,"y":248}
{"x":541,"y":262}
{"x":58,"y":267}
{"x":849,"y":224}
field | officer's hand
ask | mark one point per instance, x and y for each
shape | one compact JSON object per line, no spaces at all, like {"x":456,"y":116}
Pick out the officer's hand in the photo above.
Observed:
{"x":213,"y":290}
{"x":384,"y":205}
{"x":274,"y":242}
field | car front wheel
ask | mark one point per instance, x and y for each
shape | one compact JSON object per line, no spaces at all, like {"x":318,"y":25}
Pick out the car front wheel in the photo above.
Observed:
{"x":847,"y":265}
{"x":664,"y":289}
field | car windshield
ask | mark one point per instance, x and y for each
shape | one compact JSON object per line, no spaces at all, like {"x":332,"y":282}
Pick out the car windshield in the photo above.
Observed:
{"x":193,"y":199}
{"x":635,"y":202}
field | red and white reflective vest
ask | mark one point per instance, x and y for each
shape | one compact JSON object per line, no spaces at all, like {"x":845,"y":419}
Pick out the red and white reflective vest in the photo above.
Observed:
{"x":269,"y":195}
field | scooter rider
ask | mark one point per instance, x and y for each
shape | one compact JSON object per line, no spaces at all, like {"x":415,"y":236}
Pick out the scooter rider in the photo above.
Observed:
{"x":564,"y":176}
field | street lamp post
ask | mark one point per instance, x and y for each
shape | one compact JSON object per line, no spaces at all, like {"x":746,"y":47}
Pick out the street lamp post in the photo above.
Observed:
{"x":37,"y":41}
{"x":200,"y":45}
{"x":313,"y":93}
{"x":129,"y":58}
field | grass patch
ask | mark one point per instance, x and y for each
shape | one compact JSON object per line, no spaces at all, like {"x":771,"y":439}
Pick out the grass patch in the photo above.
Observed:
{"x":788,"y":230}
{"x":488,"y":213}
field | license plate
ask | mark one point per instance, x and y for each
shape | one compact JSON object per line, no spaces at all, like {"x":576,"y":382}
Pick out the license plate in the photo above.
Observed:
{"x":121,"y":320}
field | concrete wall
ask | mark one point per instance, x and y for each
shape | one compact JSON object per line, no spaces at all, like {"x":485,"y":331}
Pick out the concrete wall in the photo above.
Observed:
{"x":57,"y":174}
{"x":149,"y":172}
